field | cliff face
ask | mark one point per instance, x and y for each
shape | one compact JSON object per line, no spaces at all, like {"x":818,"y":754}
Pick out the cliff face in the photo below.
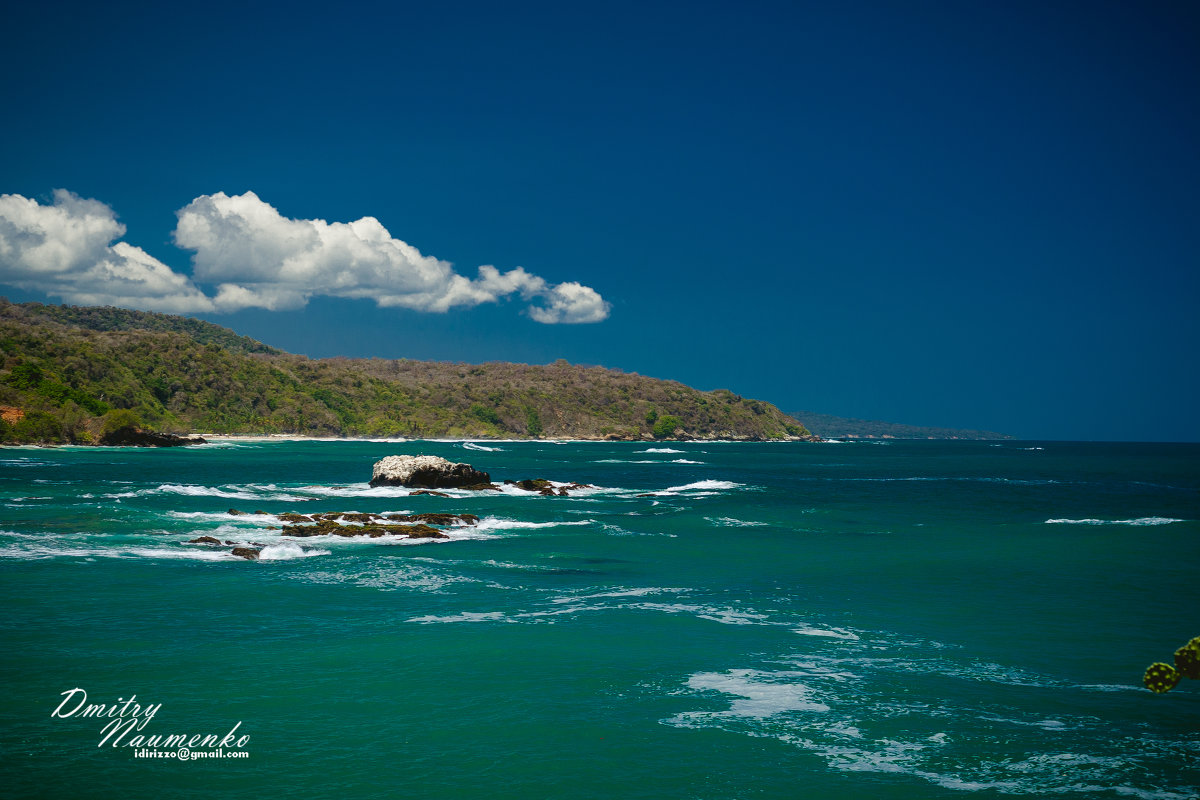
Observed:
{"x":67,"y":370}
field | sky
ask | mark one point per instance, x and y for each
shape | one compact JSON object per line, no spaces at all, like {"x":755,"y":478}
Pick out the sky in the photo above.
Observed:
{"x":961,"y":214}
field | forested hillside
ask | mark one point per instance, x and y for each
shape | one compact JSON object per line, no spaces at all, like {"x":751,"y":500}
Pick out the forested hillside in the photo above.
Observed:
{"x":69,"y":374}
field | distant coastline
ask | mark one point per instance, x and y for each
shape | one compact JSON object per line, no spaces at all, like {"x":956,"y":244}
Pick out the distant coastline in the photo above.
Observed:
{"x":829,"y":426}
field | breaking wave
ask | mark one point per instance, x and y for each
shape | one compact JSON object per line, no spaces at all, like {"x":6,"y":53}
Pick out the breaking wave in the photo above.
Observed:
{"x":730,"y":522}
{"x":286,"y":551}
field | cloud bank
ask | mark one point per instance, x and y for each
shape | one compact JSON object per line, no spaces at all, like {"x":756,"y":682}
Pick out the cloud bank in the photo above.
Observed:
{"x":255,"y":258}
{"x":66,"y":250}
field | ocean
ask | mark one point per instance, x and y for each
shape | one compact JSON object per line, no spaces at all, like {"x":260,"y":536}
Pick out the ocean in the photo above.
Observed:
{"x":898,"y":619}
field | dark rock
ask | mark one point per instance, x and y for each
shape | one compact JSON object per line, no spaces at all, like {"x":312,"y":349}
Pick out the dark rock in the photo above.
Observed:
{"x":430,"y":492}
{"x":364,"y":518}
{"x":263,"y":513}
{"x":249,"y":553}
{"x":533,"y":484}
{"x":479,"y":487}
{"x":133,"y":437}
{"x":293,"y":517}
{"x":425,"y":532}
{"x":436,"y":518}
{"x":427,"y":472}
{"x":327,"y":528}
{"x":205,"y":540}
{"x":235,"y":512}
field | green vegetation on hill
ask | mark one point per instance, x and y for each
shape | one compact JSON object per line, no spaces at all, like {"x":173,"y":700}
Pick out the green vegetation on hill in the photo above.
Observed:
{"x":842,"y":427}
{"x":65,"y":368}
{"x":107,"y":318}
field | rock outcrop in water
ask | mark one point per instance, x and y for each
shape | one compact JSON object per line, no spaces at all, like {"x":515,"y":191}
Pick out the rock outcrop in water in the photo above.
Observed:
{"x":135,"y":437}
{"x":426,"y":472}
{"x":547,"y":488}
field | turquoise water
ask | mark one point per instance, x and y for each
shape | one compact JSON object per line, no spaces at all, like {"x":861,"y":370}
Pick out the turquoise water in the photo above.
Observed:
{"x":901,"y":620}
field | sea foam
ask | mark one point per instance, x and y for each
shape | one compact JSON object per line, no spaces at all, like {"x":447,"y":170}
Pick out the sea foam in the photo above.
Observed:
{"x":286,"y":551}
{"x":705,"y":486}
{"x":1139,"y":522}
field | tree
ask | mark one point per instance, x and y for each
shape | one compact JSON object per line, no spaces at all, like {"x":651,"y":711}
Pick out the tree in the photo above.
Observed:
{"x":666,"y":426}
{"x":119,"y":418}
{"x":38,"y":426}
{"x":533,"y":423}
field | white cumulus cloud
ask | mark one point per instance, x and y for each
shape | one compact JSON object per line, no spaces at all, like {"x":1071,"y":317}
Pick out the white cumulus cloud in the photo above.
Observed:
{"x":258,"y":257}
{"x":66,"y":250}
{"x":571,"y":302}
{"x":253,"y":257}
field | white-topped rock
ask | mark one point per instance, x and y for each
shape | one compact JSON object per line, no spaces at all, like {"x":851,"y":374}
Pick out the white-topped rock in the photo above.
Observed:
{"x":427,"y":472}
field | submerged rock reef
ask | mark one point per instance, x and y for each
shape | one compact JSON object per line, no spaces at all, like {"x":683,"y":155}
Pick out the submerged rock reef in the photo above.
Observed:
{"x":412,"y":526}
{"x":406,"y":471}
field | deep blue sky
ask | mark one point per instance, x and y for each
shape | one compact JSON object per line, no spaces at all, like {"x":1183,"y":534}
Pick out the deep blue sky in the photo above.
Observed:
{"x":966,"y":214}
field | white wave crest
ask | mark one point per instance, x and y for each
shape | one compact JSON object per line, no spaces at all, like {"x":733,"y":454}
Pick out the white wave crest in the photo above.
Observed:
{"x":1139,"y":522}
{"x":661,"y":450}
{"x":465,"y":616}
{"x":644,"y":461}
{"x":700,"y":488}
{"x":730,"y":522}
{"x":705,"y":485}
{"x":229,"y":491}
{"x":642,"y":592}
{"x":828,"y":633}
{"x":30,"y":551}
{"x":286,"y":551}
{"x":497,"y":524}
{"x":356,"y":490}
{"x":477,"y":446}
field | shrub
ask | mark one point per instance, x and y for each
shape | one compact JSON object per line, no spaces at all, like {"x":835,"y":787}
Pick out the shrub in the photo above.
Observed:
{"x":120,"y":418}
{"x":38,"y":426}
{"x":485,"y":414}
{"x":666,"y":426}
{"x":25,"y":376}
{"x":533,"y":423}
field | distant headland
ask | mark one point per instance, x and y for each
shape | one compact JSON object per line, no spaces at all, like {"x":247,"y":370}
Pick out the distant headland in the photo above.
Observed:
{"x":829,"y":426}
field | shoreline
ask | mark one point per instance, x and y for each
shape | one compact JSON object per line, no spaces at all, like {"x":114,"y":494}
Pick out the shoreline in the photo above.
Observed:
{"x":290,"y":437}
